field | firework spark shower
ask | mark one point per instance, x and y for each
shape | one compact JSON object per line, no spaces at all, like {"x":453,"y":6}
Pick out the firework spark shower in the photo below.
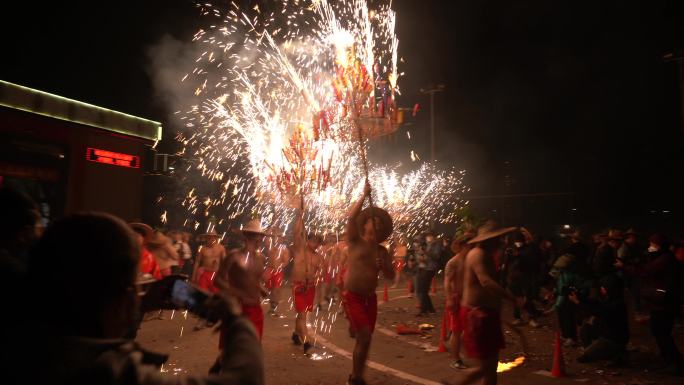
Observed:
{"x":286,"y":96}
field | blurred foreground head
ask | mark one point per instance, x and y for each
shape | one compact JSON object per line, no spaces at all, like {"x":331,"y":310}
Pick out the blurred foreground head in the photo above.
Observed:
{"x":19,"y":222}
{"x":82,"y":276}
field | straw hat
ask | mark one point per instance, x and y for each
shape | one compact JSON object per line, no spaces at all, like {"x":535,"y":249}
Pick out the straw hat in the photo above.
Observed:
{"x":386,"y":225}
{"x":254,"y":227}
{"x":491,"y":230}
{"x":205,"y":236}
{"x":144,"y":227}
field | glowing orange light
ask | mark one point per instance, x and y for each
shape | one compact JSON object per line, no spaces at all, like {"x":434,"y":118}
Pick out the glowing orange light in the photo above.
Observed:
{"x":113,"y":158}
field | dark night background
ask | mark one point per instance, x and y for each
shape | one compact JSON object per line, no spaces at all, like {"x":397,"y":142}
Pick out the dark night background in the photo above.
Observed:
{"x":541,"y":96}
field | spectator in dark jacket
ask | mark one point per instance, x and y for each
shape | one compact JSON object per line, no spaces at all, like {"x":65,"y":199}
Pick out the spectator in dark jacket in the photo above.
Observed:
{"x":662,"y":293}
{"x":75,"y":334}
{"x":606,"y":337}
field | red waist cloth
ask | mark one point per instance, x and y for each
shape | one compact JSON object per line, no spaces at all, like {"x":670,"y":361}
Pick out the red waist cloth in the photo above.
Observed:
{"x":453,"y":314}
{"x":304,"y":294}
{"x":482,"y":335}
{"x":361,"y":310}
{"x":273,"y":279}
{"x":206,"y":281}
{"x":255,"y":315}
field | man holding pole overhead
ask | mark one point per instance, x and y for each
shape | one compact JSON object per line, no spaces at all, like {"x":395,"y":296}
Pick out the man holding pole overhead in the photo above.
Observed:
{"x":365,"y":259}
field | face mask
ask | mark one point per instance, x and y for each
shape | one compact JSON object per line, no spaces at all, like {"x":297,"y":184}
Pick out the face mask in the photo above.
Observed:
{"x":518,"y":244}
{"x":652,"y":249}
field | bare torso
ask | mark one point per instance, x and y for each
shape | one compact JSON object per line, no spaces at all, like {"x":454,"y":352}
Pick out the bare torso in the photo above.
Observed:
{"x":400,"y":253}
{"x":209,"y":256}
{"x":243,"y":269}
{"x":474,"y":293}
{"x":362,"y":266}
{"x":307,"y":266}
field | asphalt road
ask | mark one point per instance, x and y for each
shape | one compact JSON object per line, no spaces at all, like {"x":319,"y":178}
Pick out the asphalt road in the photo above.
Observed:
{"x":394,"y":360}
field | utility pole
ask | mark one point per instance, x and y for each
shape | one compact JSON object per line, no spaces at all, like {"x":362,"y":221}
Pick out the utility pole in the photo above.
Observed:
{"x":432,"y":91}
{"x":678,"y":59}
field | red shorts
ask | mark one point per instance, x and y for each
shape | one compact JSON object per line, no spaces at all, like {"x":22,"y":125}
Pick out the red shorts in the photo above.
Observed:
{"x":362,"y":311}
{"x":482,"y":335}
{"x":454,"y":321}
{"x":256,"y":316}
{"x":303,"y":296}
{"x":273,"y":279}
{"x":206,"y":281}
{"x":399,"y":265}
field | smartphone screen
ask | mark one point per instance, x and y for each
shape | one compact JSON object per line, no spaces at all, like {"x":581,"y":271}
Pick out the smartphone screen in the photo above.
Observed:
{"x":184,"y":295}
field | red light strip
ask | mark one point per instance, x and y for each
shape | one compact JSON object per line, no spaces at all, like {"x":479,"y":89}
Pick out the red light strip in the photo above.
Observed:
{"x":113,"y":158}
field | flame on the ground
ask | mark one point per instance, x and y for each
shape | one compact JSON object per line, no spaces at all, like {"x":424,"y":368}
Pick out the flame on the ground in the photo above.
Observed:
{"x":506,"y":366}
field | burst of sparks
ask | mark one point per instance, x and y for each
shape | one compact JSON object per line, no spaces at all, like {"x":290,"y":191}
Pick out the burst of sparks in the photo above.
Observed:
{"x":280,"y":96}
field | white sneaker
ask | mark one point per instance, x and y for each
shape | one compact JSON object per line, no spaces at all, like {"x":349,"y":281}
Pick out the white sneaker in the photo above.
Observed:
{"x":569,"y":343}
{"x":533,"y":323}
{"x":517,"y":322}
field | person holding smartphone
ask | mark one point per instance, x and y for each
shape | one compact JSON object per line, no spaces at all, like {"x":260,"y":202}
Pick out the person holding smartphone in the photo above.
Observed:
{"x":79,"y":334}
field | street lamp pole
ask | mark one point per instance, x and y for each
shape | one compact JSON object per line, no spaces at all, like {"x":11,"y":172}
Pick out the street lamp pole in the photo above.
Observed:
{"x":432,"y":91}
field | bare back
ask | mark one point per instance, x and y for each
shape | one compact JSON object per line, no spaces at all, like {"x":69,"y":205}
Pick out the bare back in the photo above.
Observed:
{"x":479,"y":273}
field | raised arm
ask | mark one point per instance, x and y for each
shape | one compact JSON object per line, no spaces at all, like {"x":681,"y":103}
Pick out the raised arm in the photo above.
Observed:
{"x":352,"y":227}
{"x":298,"y":236}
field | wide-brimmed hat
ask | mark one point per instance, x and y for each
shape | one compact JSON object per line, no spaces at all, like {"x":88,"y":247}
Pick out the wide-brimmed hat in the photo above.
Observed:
{"x":491,"y":230}
{"x":208,"y":235}
{"x":386,"y":225}
{"x":254,"y":227}
{"x":614,"y":234}
{"x":465,"y":236}
{"x":145,"y":228}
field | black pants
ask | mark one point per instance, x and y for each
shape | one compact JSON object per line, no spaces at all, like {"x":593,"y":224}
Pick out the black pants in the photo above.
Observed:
{"x":662,"y":322}
{"x":567,"y":319}
{"x":423,"y":283}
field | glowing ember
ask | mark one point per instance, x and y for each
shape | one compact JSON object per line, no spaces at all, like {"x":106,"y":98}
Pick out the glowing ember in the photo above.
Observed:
{"x":506,"y":366}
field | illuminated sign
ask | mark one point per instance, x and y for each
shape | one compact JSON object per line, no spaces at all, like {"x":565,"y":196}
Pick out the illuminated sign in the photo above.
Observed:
{"x":114,"y":158}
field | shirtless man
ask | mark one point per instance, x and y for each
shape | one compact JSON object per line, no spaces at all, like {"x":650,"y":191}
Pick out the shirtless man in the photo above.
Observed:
{"x":277,"y":257}
{"x":400,"y":253}
{"x":453,"y":286}
{"x":305,"y":275}
{"x":209,"y":257}
{"x":244,"y":268}
{"x":365,"y":258}
{"x":480,"y":312}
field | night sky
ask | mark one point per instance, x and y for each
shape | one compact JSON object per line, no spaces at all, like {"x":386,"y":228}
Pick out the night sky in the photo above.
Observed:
{"x":574,"y":95}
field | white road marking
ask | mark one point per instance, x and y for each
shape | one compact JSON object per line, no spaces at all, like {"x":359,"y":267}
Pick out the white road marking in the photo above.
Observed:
{"x":377,"y":366}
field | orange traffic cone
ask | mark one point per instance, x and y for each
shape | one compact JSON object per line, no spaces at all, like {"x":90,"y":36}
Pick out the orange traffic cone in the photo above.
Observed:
{"x":434,"y":285}
{"x":558,"y":369}
{"x":385,"y":296}
{"x":442,"y":335}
